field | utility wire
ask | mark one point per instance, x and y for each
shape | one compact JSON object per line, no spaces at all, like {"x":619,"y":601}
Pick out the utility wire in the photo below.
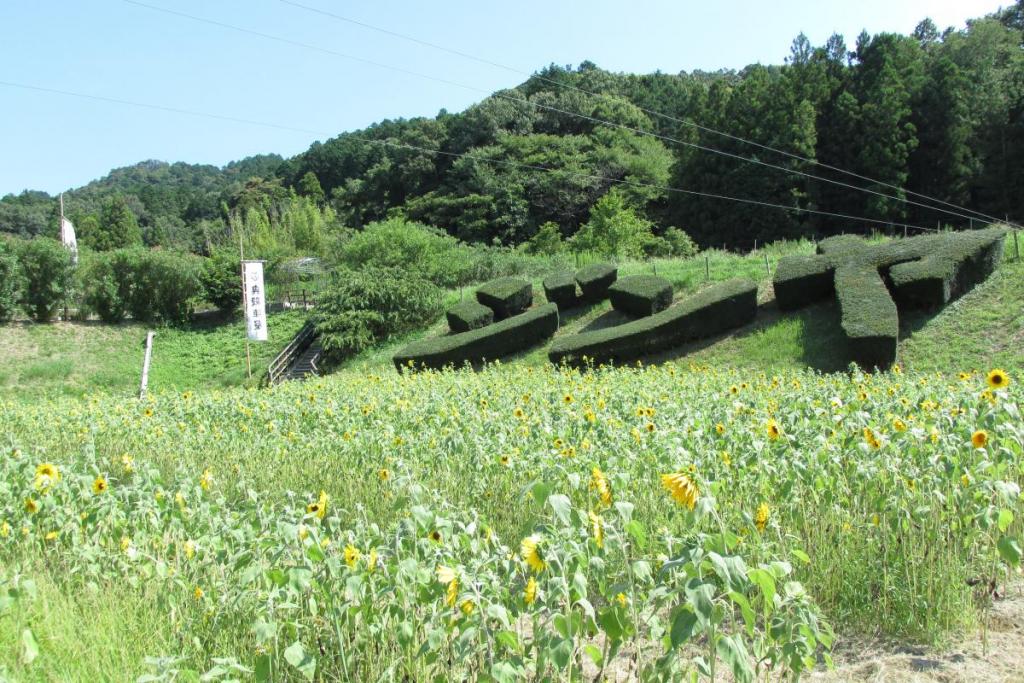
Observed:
{"x":661,"y":115}
{"x":475,"y":157}
{"x":521,"y":100}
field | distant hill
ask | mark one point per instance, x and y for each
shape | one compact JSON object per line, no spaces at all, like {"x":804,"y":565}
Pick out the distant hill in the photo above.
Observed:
{"x":938,"y":112}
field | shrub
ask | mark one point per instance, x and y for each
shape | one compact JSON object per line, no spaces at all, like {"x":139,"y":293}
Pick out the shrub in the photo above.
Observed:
{"x":641,"y":295}
{"x":595,"y":279}
{"x":10,"y":283}
{"x":721,"y":307}
{"x":107,"y":282}
{"x":506,"y":296}
{"x":681,"y":243}
{"x":47,"y":273}
{"x":487,"y":343}
{"x":362,"y":308}
{"x":469,"y":315}
{"x":547,"y":241}
{"x":871,"y":280}
{"x":165,"y":286}
{"x":560,"y":289}
{"x":221,"y":279}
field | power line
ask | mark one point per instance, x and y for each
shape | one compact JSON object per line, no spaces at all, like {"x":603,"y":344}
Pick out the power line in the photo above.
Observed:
{"x":667,"y":117}
{"x":520,"y":100}
{"x":475,"y":157}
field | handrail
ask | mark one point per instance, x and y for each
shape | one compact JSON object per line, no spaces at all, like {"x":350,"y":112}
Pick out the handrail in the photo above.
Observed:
{"x":303,"y":338}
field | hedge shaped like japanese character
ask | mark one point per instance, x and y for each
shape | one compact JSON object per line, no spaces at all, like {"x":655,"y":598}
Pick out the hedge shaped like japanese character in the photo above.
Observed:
{"x":486,"y":343}
{"x":719,"y":308}
{"x":641,"y":295}
{"x":468,"y":315}
{"x":560,"y":289}
{"x":594,"y":281}
{"x":506,"y":296}
{"x":872,"y":282}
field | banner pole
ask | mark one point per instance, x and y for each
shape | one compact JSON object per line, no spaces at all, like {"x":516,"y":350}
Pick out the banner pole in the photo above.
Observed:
{"x":241,"y":262}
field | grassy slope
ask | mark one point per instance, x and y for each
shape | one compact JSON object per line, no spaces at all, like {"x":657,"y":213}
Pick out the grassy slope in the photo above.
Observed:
{"x":981,"y":330}
{"x":77,"y":358}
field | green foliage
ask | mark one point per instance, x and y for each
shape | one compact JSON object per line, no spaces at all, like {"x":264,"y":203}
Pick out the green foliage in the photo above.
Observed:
{"x":47,"y":275}
{"x":560,"y":289}
{"x":309,"y":186}
{"x":221,"y":279}
{"x":923,"y":272}
{"x":117,"y":227}
{"x":469,"y":315}
{"x":10,"y":282}
{"x":641,"y":295}
{"x":719,"y":308}
{"x":484,"y":344}
{"x":507,"y":296}
{"x":595,"y":279}
{"x":365,"y":307}
{"x":614,"y":229}
{"x":165,"y":286}
{"x":548,"y":240}
{"x":108,"y":281}
{"x":681,"y":244}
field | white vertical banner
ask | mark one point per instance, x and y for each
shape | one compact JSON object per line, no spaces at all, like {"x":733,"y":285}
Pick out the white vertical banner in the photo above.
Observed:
{"x":255,"y":300}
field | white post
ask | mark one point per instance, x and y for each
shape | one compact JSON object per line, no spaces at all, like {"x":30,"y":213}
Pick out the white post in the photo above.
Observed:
{"x":145,"y":364}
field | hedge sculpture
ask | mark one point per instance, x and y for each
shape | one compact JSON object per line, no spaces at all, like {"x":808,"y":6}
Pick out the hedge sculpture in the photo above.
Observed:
{"x":641,"y":295}
{"x":469,"y":315}
{"x":721,"y":307}
{"x":506,"y":296}
{"x":486,"y":343}
{"x":594,"y":281}
{"x":872,"y":281}
{"x":560,"y":289}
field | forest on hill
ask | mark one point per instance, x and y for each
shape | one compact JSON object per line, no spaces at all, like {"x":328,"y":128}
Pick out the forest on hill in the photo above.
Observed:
{"x":940,"y":113}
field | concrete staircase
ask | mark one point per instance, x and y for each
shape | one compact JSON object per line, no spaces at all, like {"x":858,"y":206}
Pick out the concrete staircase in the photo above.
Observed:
{"x":298,"y":360}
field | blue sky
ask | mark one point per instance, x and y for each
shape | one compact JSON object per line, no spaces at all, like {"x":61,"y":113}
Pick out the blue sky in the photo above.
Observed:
{"x":111,"y":48}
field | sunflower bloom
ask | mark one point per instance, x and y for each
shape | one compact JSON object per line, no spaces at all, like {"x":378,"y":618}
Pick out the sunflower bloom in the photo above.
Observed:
{"x":352,"y":555}
{"x":682,"y":488}
{"x":318,"y":508}
{"x":979,"y":438}
{"x":599,"y":482}
{"x":99,"y":485}
{"x":31,"y":506}
{"x":870,"y":439}
{"x":997,"y":379}
{"x":597,"y":528}
{"x":206,"y":480}
{"x":529,"y":550}
{"x":383,"y":474}
{"x":530,"y":592}
{"x":467,"y":607}
{"x":190,"y":549}
{"x":761,"y":516}
{"x":774,"y":432}
{"x":197,"y":593}
{"x":47,"y":475}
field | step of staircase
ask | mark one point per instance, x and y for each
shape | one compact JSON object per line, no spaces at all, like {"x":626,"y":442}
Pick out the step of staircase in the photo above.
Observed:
{"x":304,"y":365}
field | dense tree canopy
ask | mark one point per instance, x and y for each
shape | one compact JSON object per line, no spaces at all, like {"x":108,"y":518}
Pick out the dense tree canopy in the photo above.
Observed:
{"x":937,"y":112}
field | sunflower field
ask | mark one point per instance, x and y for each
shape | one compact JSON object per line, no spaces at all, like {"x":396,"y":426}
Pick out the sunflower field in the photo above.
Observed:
{"x":653,"y":522}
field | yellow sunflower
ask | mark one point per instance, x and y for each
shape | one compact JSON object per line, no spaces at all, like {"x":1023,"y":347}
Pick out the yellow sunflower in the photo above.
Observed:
{"x":597,"y":528}
{"x":761,"y":516}
{"x":998,"y":379}
{"x":599,"y":482}
{"x":979,"y":438}
{"x":682,"y":488}
{"x":530,"y":551}
{"x":774,"y":432}
{"x":352,"y":555}
{"x":99,"y":485}
{"x":530,"y":592}
{"x":47,"y":474}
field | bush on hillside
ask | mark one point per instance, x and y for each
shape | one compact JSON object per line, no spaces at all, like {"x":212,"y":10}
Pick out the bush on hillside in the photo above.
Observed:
{"x":506,"y":296}
{"x":560,"y":289}
{"x":221,"y":279}
{"x":641,"y":295}
{"x":165,"y":286}
{"x":107,"y":282}
{"x":595,"y":279}
{"x":361,"y":308}
{"x":10,"y":283}
{"x":469,"y":315}
{"x":47,"y":275}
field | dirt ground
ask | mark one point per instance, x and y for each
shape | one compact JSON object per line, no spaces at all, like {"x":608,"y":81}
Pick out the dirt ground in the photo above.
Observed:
{"x":967,"y":660}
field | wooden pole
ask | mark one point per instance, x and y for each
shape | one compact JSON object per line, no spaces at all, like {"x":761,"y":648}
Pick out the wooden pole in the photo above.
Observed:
{"x":145,"y":364}
{"x":707,"y":267}
{"x":767,"y":267}
{"x":241,"y":263}
{"x":1016,"y":245}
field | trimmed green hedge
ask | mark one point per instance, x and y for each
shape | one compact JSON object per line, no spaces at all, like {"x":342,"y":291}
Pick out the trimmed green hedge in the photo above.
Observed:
{"x":594,"y":281}
{"x":641,"y":295}
{"x":468,"y":315}
{"x":560,"y":289}
{"x":721,"y":307}
{"x":506,"y":296}
{"x":487,"y":343}
{"x":872,"y":280}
